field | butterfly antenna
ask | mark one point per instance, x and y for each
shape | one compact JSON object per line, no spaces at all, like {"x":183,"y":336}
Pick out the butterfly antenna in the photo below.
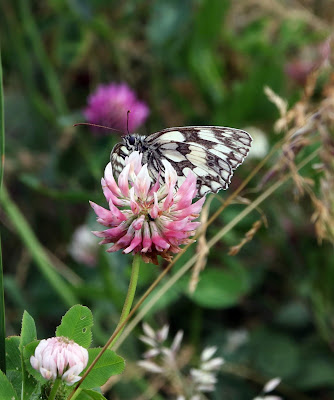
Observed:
{"x":98,"y":126}
{"x":127,"y":121}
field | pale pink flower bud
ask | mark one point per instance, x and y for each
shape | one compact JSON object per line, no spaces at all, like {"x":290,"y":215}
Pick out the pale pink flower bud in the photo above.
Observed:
{"x":60,"y":357}
{"x":145,"y":216}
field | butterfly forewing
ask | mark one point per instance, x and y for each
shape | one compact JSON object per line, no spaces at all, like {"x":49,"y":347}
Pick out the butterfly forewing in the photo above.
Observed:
{"x":212,"y":153}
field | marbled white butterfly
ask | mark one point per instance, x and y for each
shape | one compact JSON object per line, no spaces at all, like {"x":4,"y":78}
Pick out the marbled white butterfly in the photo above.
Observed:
{"x":211,"y":152}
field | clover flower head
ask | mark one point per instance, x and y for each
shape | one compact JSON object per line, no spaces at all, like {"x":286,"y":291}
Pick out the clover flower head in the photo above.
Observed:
{"x":109,"y":105}
{"x":144,"y":216}
{"x":60,"y":357}
{"x":167,"y":362}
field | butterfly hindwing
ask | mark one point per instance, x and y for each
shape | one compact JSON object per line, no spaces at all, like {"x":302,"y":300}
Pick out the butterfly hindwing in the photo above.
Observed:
{"x":212,"y":153}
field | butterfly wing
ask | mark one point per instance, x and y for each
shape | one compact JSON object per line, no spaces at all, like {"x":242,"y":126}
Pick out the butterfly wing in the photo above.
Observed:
{"x":117,"y":158}
{"x":211,"y":152}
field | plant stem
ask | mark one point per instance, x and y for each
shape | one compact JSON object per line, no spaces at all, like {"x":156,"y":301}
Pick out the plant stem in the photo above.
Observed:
{"x":2,"y":300}
{"x":2,"y":320}
{"x":130,"y":295}
{"x":54,"y":389}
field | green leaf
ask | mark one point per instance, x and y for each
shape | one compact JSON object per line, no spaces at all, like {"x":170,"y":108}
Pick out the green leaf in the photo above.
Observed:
{"x":315,"y":373}
{"x":76,"y":325}
{"x":274,"y":354}
{"x":14,"y":363}
{"x":90,"y":395}
{"x":219,"y":288}
{"x":28,"y":335}
{"x":28,"y":330}
{"x":109,"y":364}
{"x":6,"y":389}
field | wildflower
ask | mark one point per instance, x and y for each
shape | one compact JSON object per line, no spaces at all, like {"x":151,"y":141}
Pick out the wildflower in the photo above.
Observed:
{"x":204,"y":377}
{"x":144,"y":216}
{"x":156,"y":341}
{"x":60,"y":357}
{"x":109,"y":104}
{"x":84,"y":246}
{"x":166,"y":361}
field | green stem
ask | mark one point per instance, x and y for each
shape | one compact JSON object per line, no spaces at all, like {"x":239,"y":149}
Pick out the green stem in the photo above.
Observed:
{"x":54,"y":389}
{"x":130,"y":295}
{"x":2,"y":300}
{"x":2,"y":319}
{"x":2,"y":126}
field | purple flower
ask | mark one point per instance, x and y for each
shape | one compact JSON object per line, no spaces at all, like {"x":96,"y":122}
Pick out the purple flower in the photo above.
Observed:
{"x":109,"y":105}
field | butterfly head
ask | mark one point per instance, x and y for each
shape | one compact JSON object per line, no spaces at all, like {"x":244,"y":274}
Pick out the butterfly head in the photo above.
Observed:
{"x":134,"y":142}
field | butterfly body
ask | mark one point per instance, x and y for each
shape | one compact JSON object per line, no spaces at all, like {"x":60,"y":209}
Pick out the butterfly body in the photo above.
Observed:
{"x":212,"y":153}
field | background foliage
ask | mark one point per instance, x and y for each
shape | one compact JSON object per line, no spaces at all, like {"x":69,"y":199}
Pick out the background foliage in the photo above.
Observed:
{"x":269,"y":309}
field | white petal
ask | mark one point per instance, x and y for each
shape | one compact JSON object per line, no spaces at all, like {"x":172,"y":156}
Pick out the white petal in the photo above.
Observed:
{"x":148,"y":330}
{"x":46,"y":373}
{"x":34,"y":363}
{"x":163,"y":333}
{"x":208,"y":352}
{"x":206,"y":388}
{"x":271,"y":385}
{"x":177,"y":341}
{"x":150,"y":366}
{"x":213,"y":364}
{"x":148,"y":341}
{"x":151,"y":353}
{"x":72,"y":375}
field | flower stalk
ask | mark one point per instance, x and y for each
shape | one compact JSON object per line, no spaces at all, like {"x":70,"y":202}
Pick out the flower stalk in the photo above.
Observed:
{"x":54,"y":389}
{"x":2,"y":300}
{"x":129,"y":297}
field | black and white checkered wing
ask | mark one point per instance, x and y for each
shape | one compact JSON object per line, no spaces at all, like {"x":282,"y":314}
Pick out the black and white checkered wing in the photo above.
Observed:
{"x":117,"y":158}
{"x":210,"y":152}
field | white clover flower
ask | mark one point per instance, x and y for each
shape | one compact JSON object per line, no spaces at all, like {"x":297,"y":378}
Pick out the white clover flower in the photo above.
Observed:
{"x":60,"y":357}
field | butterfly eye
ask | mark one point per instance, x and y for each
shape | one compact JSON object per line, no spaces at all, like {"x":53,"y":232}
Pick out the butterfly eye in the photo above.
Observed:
{"x":132,"y":140}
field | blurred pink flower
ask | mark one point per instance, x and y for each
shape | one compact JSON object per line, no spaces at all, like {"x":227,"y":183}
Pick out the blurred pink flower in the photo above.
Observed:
{"x":311,"y":59}
{"x":109,"y":105}
{"x":145,"y":216}
{"x":60,"y":357}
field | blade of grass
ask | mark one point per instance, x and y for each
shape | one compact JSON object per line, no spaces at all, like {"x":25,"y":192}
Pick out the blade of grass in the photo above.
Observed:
{"x":36,"y":250}
{"x":22,"y":58}
{"x":50,"y":75}
{"x":2,"y":299}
